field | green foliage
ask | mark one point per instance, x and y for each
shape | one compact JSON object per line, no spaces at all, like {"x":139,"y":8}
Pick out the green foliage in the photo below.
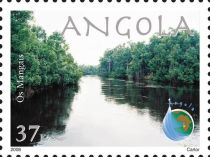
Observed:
{"x":115,"y":62}
{"x":46,"y":59}
{"x":89,"y":69}
{"x":173,"y":59}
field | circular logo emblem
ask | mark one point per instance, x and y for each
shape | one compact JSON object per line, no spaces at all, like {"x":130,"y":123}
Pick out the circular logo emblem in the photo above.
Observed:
{"x":178,"y":124}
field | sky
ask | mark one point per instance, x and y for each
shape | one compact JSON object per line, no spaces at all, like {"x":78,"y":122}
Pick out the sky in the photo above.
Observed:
{"x":88,"y":50}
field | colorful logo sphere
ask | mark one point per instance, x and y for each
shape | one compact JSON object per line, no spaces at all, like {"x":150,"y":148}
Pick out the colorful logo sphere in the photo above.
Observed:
{"x":178,"y":124}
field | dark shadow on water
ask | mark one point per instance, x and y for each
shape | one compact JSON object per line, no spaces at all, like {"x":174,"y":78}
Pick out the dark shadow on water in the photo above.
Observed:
{"x":152,"y":97}
{"x":50,"y":109}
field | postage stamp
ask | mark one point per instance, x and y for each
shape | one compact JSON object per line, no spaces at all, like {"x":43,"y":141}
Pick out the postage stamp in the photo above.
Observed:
{"x":104,"y":78}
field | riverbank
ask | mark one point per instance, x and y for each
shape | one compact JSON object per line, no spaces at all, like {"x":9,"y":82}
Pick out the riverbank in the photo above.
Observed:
{"x":31,"y":91}
{"x":149,"y":80}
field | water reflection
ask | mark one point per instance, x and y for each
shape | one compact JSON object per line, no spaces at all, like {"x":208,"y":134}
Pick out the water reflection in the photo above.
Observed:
{"x":50,"y":109}
{"x":148,"y":95}
{"x":104,"y":112}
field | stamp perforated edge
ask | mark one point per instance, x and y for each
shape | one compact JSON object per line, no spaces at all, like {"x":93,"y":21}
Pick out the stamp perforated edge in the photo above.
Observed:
{"x":209,"y":93}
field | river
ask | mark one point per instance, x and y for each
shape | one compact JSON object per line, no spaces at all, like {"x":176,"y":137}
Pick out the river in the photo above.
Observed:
{"x":102,"y":112}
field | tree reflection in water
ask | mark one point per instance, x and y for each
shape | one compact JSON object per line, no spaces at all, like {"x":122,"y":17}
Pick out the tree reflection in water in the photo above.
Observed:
{"x":154,"y":98}
{"x":50,"y":109}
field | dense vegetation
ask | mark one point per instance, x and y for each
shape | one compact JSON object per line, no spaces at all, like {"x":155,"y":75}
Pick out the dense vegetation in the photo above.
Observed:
{"x":173,"y":59}
{"x":89,"y":69}
{"x":46,"y":58}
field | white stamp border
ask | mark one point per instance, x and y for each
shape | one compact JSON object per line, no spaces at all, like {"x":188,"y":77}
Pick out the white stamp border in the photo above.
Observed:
{"x":105,"y":151}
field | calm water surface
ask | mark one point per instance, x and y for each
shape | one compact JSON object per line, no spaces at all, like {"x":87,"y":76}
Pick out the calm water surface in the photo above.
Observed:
{"x":103,"y":112}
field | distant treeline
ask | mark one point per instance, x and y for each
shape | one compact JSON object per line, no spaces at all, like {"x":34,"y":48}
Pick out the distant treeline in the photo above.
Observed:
{"x":172,"y":59}
{"x":89,"y":69}
{"x":45,"y":58}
